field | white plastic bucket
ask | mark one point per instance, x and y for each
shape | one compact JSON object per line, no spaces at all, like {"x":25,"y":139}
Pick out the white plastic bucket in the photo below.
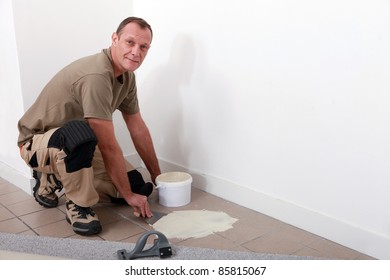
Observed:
{"x":174,"y":188}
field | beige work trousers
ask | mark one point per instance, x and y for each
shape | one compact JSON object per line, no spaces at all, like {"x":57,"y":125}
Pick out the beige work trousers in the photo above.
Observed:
{"x":84,"y":187}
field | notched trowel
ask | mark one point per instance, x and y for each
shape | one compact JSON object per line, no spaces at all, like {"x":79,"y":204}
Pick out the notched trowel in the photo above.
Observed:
{"x":152,"y":220}
{"x":156,"y":216}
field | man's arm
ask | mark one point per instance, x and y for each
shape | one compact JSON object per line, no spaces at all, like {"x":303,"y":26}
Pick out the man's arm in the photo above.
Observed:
{"x":142,"y":140}
{"x":115,"y":165}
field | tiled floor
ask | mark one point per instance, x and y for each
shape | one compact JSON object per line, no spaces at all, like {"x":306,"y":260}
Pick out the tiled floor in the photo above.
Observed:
{"x":253,"y":232}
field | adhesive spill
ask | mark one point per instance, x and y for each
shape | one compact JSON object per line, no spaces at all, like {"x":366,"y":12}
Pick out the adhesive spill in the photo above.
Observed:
{"x":193,"y":223}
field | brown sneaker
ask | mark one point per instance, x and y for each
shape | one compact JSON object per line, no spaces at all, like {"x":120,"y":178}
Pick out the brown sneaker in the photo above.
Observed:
{"x":45,"y":189}
{"x":84,"y":220}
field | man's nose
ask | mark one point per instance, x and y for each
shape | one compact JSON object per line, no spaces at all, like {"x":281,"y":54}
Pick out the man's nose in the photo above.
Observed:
{"x":135,"y":50}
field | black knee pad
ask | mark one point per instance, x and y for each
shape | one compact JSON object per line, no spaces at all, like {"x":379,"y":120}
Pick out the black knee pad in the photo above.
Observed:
{"x":77,"y":133}
{"x":80,"y":157}
{"x":138,"y":184}
{"x":78,"y":141}
{"x":135,"y":178}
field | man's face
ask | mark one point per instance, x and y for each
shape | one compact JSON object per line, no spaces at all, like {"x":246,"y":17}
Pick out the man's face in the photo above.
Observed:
{"x":130,"y":47}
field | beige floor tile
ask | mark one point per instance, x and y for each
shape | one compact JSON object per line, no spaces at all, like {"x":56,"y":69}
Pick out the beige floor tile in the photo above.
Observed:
{"x":240,"y":249}
{"x":29,"y":232}
{"x":2,"y":181}
{"x":298,"y":235}
{"x":125,"y":211}
{"x":135,"y":238}
{"x":13,"y":226}
{"x":251,"y":227}
{"x":62,"y":207}
{"x":25,"y":207}
{"x":58,"y":229}
{"x":364,"y":257}
{"x":14,"y":197}
{"x":232,"y":209}
{"x":5,"y":214}
{"x":6,"y":188}
{"x":242,"y":232}
{"x":264,"y":222}
{"x":106,"y":215}
{"x":120,"y":230}
{"x":61,"y":201}
{"x":275,"y":242}
{"x":309,"y":252}
{"x":213,"y":241}
{"x":197,"y":196}
{"x":153,"y":198}
{"x":207,"y":202}
{"x":334,"y":250}
{"x":43,"y":217}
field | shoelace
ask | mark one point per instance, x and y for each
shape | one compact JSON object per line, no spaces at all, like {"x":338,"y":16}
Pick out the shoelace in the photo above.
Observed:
{"x":84,"y":211}
{"x":49,"y":189}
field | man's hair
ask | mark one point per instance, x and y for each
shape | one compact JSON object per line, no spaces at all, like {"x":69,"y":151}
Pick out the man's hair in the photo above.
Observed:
{"x":141,"y":22}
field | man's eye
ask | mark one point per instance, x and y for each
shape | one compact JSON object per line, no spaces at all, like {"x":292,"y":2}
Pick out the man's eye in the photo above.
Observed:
{"x":131,"y":43}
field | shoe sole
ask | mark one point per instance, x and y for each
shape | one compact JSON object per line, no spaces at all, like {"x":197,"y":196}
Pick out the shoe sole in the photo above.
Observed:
{"x":95,"y":229}
{"x":51,"y":204}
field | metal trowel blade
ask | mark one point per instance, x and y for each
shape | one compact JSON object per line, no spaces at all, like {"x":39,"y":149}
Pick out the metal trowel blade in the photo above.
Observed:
{"x":156,"y":216}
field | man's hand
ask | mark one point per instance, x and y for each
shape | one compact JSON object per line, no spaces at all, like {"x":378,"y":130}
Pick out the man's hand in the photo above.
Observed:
{"x":140,"y":205}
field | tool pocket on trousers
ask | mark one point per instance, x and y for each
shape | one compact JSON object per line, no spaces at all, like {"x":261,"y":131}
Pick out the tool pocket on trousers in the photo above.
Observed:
{"x":40,"y":160}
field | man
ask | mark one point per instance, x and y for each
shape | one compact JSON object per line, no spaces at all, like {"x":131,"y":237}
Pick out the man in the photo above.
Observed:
{"x":67,"y":135}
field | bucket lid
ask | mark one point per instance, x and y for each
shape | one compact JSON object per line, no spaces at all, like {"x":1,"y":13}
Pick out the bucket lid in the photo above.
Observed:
{"x":173,"y":177}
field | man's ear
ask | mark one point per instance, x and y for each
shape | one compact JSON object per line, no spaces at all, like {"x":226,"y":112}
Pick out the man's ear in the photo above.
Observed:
{"x":114,"y":38}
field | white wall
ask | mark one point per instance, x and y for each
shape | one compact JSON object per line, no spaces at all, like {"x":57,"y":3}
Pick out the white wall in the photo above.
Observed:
{"x":11,"y":106}
{"x":39,"y":37}
{"x":281,"y":106}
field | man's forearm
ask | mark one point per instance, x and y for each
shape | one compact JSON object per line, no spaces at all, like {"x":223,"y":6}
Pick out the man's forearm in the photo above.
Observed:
{"x":144,"y":146}
{"x":143,"y":143}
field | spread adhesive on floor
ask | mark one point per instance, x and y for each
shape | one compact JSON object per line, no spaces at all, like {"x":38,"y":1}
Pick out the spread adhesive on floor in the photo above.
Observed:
{"x":193,"y":223}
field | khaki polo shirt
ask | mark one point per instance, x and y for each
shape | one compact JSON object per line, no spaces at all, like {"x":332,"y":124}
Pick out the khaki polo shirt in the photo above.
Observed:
{"x":85,"y":88}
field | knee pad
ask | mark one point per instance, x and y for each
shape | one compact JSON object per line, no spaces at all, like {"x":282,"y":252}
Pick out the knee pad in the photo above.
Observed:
{"x":77,"y":133}
{"x":80,"y":157}
{"x":78,"y":141}
{"x":135,"y":178}
{"x":138,"y":184}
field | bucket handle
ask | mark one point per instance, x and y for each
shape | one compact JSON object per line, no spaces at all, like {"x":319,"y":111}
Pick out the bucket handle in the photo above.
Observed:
{"x":160,"y":187}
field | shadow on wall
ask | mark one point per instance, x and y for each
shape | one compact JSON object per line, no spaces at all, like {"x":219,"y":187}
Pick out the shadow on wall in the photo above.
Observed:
{"x":165,"y":100}
{"x":190,"y":112}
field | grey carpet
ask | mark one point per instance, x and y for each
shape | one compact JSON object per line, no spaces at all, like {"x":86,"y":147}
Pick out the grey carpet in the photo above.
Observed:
{"x":81,"y":249}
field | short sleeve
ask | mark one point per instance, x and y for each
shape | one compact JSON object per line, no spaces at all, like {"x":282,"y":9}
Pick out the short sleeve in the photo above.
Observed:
{"x":130,"y":104}
{"x":94,"y":92}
